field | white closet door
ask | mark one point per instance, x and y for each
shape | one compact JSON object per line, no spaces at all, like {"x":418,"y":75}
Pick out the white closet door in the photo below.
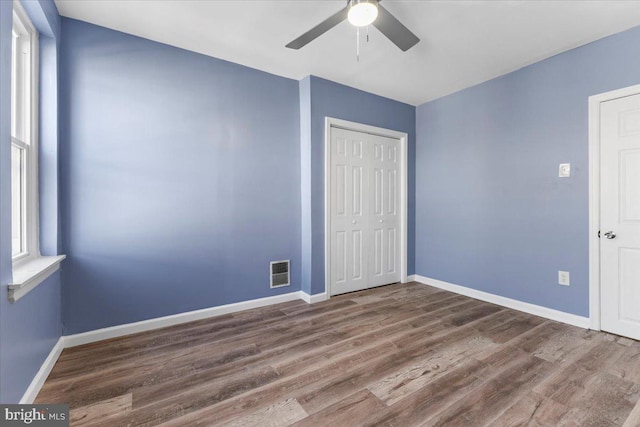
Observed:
{"x":349,"y":222}
{"x":365,"y":211}
{"x":384,"y":202}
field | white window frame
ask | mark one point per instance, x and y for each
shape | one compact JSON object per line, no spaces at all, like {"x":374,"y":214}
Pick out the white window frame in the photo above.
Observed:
{"x":29,"y":143}
{"x":29,"y":267}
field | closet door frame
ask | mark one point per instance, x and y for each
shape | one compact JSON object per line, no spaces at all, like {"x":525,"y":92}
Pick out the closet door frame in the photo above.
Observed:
{"x":403,"y":137}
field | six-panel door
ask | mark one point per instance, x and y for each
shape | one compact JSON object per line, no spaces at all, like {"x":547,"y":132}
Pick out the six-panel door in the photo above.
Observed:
{"x":620,"y":215}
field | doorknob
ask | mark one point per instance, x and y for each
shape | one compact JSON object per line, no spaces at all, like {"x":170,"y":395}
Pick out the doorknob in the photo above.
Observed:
{"x":381,"y":221}
{"x":354,"y":221}
{"x":610,"y":235}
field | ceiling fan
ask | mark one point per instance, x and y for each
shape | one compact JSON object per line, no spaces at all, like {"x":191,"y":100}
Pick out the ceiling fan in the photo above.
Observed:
{"x":362,"y":13}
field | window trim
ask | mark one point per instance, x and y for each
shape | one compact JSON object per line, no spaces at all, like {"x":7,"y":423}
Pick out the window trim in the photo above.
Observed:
{"x":29,"y":267}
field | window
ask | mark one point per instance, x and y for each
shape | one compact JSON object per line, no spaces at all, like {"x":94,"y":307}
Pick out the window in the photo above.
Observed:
{"x":29,"y":268}
{"x":24,"y":154}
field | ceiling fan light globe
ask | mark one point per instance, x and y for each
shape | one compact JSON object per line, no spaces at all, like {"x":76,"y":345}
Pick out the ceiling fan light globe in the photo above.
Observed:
{"x":362,"y":12}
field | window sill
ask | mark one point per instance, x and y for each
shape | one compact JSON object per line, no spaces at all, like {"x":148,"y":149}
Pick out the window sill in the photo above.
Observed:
{"x":29,"y":274}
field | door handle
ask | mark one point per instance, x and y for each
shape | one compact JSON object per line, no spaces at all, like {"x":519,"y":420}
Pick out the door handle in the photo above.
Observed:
{"x":381,"y":221}
{"x":610,"y":235}
{"x":354,"y":221}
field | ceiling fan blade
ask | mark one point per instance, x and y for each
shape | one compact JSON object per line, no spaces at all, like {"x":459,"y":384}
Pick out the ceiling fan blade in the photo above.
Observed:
{"x":319,"y":29}
{"x":400,"y":35}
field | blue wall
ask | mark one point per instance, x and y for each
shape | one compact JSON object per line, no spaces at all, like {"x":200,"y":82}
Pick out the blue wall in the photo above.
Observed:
{"x":29,"y":328}
{"x":180,"y":179}
{"x":491,"y":212}
{"x":324,"y":98}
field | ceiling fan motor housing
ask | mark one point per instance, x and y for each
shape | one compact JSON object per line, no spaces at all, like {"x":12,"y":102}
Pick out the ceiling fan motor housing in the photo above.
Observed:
{"x":362,"y":12}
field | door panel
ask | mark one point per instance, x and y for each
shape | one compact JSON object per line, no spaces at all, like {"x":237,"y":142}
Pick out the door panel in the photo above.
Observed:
{"x":629,"y":287}
{"x":356,"y":179}
{"x":620,"y":213}
{"x":629,"y":179}
{"x":391,"y":192}
{"x":377,"y":256}
{"x":341,"y":190}
{"x":357,"y":255}
{"x":391,"y":251}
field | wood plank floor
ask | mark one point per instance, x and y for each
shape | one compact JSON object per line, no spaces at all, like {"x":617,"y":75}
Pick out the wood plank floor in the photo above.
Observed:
{"x":399,"y":355}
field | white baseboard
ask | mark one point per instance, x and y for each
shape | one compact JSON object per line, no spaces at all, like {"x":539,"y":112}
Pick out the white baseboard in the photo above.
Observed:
{"x":537,"y":310}
{"x":312,"y":299}
{"x":412,"y":278}
{"x":175,"y":319}
{"x":38,"y":381}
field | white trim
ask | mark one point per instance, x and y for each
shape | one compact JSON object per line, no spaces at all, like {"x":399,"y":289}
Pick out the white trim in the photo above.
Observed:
{"x":594,"y":196}
{"x":536,"y":310}
{"x":30,"y":272}
{"x":404,"y":150}
{"x":174,"y":319}
{"x":412,"y":278}
{"x":312,"y":299}
{"x":44,"y":371}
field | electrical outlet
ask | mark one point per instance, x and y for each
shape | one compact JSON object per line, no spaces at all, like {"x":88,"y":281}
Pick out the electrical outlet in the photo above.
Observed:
{"x":563,"y":278}
{"x":564,"y":170}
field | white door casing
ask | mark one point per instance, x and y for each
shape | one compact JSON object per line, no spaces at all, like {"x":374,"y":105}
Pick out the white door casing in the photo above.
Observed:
{"x":620,"y":215}
{"x":365,"y":240}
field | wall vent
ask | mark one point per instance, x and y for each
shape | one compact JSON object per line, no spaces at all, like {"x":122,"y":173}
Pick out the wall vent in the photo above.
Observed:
{"x":279,"y":273}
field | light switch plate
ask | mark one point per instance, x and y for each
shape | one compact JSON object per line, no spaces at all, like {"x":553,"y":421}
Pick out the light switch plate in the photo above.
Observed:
{"x":564,"y":278}
{"x":565,"y":170}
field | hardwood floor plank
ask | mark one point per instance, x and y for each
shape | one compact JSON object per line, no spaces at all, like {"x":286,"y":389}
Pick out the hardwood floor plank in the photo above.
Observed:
{"x":100,"y":412}
{"x":358,"y":406}
{"x":633,"y":420}
{"x":471,"y":315}
{"x":521,"y":413}
{"x":156,"y":371}
{"x":398,"y":385}
{"x":444,"y":391}
{"x":628,"y":364}
{"x":171,"y":403}
{"x":506,"y":326}
{"x":281,"y":414}
{"x":488,"y":401}
{"x":576,"y":374}
{"x":357,"y":377}
{"x":606,"y":400}
{"x":564,"y":345}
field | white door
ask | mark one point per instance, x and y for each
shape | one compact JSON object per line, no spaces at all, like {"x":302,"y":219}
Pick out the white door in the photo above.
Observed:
{"x":365,"y":218}
{"x":349,"y":188}
{"x":384,"y":203}
{"x":620,"y":215}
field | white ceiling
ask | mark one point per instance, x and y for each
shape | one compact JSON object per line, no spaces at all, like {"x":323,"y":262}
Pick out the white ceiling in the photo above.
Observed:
{"x":463,"y":42}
